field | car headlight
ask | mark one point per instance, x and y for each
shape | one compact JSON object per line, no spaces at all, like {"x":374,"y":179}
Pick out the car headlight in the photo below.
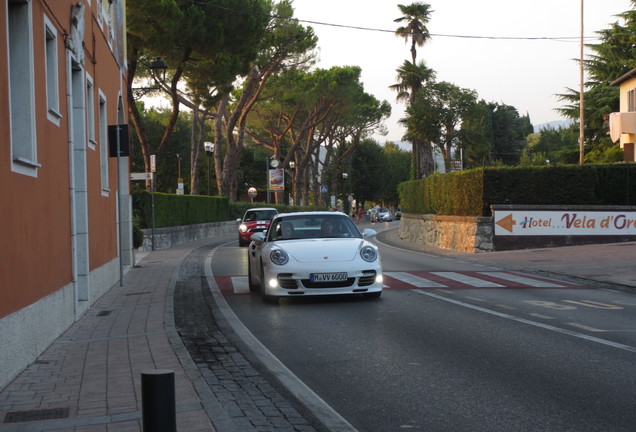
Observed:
{"x":279,"y":257}
{"x":242,"y":228}
{"x":368,"y":253}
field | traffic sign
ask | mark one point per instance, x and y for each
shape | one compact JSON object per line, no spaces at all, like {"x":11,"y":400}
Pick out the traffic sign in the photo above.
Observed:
{"x":141,"y":176}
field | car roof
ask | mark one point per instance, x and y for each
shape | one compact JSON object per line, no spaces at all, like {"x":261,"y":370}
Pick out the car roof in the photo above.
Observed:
{"x":311,"y":213}
{"x":260,"y":208}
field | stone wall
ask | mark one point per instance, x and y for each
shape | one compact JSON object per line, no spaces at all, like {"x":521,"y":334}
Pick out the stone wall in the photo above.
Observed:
{"x":460,"y":233}
{"x":172,"y":236}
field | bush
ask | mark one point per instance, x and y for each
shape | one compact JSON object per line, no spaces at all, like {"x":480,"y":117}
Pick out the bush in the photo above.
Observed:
{"x":472,"y":192}
{"x":175,"y":210}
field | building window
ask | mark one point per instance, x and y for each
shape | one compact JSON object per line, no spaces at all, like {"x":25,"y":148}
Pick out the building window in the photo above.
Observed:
{"x":631,"y":100}
{"x":103,"y":142}
{"x":52,"y":82}
{"x":21,"y":85}
{"x":90,"y":112}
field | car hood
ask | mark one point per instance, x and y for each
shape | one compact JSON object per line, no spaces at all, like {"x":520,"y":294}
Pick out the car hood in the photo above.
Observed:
{"x":321,"y":250}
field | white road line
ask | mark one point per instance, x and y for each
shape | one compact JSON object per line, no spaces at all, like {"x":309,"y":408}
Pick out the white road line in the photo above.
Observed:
{"x":528,"y":322}
{"x":522,"y":280}
{"x":417,"y":281}
{"x":239,"y":283}
{"x":469,"y":280}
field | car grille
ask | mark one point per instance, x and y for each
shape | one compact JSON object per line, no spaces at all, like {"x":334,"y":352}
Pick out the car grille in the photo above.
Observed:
{"x":367,"y":278}
{"x":285,"y":281}
{"x":255,"y":230}
{"x":339,"y":284}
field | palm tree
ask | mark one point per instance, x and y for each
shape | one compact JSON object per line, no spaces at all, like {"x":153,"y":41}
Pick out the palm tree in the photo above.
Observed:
{"x":410,"y":80}
{"x":416,"y":16}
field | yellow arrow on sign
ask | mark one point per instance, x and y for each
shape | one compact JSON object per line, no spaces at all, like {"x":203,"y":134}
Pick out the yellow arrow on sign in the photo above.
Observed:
{"x":507,"y":223}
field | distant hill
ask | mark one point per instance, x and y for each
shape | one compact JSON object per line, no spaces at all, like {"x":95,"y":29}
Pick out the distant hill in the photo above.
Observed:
{"x":553,"y":125}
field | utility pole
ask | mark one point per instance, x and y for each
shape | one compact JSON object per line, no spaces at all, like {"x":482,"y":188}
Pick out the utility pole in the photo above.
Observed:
{"x":581,"y":98}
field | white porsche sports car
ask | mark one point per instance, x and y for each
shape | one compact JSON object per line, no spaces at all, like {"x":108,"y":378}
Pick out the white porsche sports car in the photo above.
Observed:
{"x":313,"y":253}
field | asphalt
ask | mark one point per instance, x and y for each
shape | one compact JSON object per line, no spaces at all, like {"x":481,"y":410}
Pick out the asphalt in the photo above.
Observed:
{"x":170,"y":316}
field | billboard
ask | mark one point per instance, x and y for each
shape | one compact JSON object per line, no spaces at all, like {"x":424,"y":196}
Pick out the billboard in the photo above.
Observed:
{"x":276,"y":180}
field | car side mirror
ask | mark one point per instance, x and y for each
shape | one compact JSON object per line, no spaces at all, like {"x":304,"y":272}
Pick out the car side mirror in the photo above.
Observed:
{"x":368,"y":233}
{"x":238,"y":220}
{"x":258,"y":237}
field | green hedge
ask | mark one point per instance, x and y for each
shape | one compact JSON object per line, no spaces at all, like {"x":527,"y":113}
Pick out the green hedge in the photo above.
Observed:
{"x":238,"y":208}
{"x":472,"y":192}
{"x":176,"y":210}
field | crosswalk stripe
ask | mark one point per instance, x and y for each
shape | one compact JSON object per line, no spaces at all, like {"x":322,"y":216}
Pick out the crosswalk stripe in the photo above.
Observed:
{"x":237,"y":285}
{"x":240,"y":284}
{"x":468,"y":280}
{"x":522,"y":280}
{"x":411,"y":279}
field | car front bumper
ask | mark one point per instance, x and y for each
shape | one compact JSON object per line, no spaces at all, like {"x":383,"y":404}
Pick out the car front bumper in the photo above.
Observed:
{"x":280,"y":282}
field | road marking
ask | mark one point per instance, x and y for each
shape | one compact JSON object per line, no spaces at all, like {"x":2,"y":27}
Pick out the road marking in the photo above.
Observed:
{"x":528,"y":322}
{"x":538,"y":315}
{"x":593,"y":304}
{"x":521,"y":279}
{"x":586,"y":328}
{"x":442,"y":281}
{"x":468,"y":280}
{"x":416,"y":281}
{"x":240,"y":284}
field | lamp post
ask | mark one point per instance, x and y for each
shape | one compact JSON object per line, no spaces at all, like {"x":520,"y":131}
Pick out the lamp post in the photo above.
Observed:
{"x":179,"y":179}
{"x":270,"y":163}
{"x":158,"y":72}
{"x":345,"y":201}
{"x":209,"y":149}
{"x":292,"y":169}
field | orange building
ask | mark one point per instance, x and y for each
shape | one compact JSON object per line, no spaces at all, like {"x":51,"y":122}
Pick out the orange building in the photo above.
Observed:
{"x":62,"y":83}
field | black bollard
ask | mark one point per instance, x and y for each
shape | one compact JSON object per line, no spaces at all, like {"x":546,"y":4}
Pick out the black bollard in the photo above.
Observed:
{"x":158,"y":401}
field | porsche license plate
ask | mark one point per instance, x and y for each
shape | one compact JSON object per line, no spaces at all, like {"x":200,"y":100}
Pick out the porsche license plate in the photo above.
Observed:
{"x":328,"y":277}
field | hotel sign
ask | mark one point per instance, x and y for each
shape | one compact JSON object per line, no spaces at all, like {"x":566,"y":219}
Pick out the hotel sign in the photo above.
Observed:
{"x":564,"y":223}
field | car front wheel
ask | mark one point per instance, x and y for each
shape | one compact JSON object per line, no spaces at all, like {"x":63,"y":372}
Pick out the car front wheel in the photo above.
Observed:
{"x":250,"y":282}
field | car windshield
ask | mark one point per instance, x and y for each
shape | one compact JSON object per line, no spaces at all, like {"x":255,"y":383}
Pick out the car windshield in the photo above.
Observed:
{"x":312,"y":227}
{"x":259,"y":215}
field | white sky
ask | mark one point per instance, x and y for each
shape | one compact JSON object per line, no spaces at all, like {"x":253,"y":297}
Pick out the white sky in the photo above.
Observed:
{"x":526,"y":74}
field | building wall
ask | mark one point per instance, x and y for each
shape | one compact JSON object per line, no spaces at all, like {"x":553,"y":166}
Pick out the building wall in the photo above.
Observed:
{"x":59,"y":213}
{"x":627,"y":140}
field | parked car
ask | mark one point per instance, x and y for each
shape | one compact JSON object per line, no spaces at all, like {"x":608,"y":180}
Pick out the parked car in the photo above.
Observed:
{"x":254,"y":220}
{"x":313,"y":253}
{"x":385,"y":215}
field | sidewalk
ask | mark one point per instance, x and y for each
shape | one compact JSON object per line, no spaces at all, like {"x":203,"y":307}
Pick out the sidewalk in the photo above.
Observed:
{"x":89,"y":379}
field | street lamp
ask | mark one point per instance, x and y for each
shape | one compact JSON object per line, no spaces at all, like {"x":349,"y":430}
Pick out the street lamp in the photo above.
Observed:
{"x":179,"y":179}
{"x":209,"y":149}
{"x":158,"y":72}
{"x":345,"y":202}
{"x":292,"y":168}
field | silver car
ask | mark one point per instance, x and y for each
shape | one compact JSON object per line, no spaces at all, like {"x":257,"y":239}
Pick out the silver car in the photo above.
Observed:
{"x":313,"y":253}
{"x":385,"y":215}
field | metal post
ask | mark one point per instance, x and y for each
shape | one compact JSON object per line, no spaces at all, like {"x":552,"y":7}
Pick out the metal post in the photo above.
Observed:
{"x":121,"y":246}
{"x":152,"y":205}
{"x":209,"y":168}
{"x":581,"y":97}
{"x":266,"y":178}
{"x":158,"y":401}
